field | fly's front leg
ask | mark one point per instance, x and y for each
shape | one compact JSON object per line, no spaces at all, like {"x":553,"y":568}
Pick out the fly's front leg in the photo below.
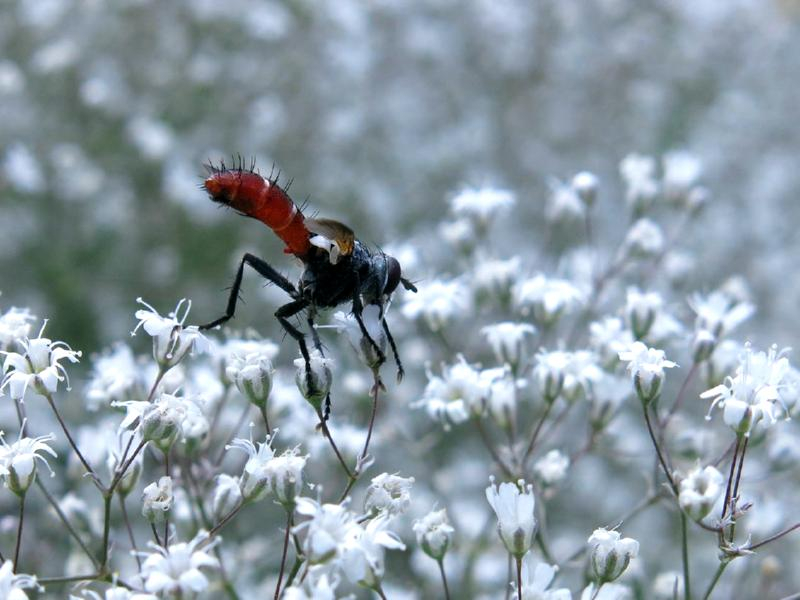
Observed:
{"x":358,"y":309}
{"x":400,"y":371}
{"x":314,"y":333}
{"x":263,"y":269}
{"x":283,"y":314}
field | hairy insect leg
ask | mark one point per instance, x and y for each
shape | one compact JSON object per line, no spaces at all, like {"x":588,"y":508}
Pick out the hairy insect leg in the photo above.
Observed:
{"x":283,"y":314}
{"x":263,"y":269}
{"x":400,"y":371}
{"x":358,"y":309}
{"x":314,"y":332}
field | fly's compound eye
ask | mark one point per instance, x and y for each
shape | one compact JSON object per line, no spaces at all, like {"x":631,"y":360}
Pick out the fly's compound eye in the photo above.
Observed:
{"x":393,"y":275}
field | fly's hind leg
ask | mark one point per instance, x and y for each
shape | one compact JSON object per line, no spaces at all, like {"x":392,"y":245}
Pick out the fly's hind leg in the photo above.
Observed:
{"x":326,"y":410}
{"x":358,"y":309}
{"x":400,"y":371}
{"x":283,"y":314}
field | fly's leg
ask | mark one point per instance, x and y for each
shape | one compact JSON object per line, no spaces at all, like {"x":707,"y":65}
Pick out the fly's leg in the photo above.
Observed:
{"x":283,"y":314}
{"x":358,"y":309}
{"x":263,"y":269}
{"x":326,"y":411}
{"x":400,"y":371}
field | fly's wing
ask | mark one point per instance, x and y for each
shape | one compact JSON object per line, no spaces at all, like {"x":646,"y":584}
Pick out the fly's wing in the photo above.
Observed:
{"x":335,"y":237}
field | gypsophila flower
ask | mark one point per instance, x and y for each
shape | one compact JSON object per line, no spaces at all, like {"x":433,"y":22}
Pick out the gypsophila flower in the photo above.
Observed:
{"x":116,"y":593}
{"x":38,"y":366}
{"x":321,"y":378}
{"x":644,"y":239}
{"x":610,"y":554}
{"x":438,"y":303}
{"x":719,"y":313}
{"x":513,"y":503}
{"x":641,"y":310}
{"x":177,"y":572}
{"x":502,"y":397}
{"x":15,"y":325}
{"x":682,"y":170}
{"x":666,"y":585}
{"x":507,"y":340}
{"x":255,"y":478}
{"x":550,"y":372}
{"x":115,"y":375}
{"x":371,"y":316}
{"x":18,"y":461}
{"x":609,"y":392}
{"x":608,"y":337}
{"x":252,"y":375}
{"x":363,"y":549}
{"x":548,"y":299}
{"x":495,"y":277}
{"x":11,"y":584}
{"x":699,"y":491}
{"x":459,"y":392}
{"x":552,"y":467}
{"x":703,"y":344}
{"x":285,"y":476}
{"x":536,"y":578}
{"x":564,"y":204}
{"x":172,"y":341}
{"x":638,"y":171}
{"x":586,"y":185}
{"x":434,"y":533}
{"x":459,"y":233}
{"x":388,"y":494}
{"x":157,"y":500}
{"x":755,"y":393}
{"x":235,"y":349}
{"x":579,"y":375}
{"x":608,"y":591}
{"x":646,"y":366}
{"x":481,"y":205}
{"x":166,"y":419}
{"x":327,"y":528}
{"x":227,"y":496}
{"x":315,"y":587}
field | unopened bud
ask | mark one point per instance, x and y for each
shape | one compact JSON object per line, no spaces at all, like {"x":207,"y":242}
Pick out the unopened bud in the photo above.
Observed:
{"x":157,"y":500}
{"x":252,"y":376}
{"x":585,"y":185}
{"x":320,"y":377}
{"x":610,"y":554}
{"x":703,"y":345}
{"x":227,"y":496}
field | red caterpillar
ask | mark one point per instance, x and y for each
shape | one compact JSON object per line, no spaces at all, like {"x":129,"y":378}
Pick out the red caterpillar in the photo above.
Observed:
{"x":252,"y":195}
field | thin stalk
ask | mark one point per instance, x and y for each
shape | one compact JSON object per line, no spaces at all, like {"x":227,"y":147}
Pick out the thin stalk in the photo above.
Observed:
{"x":155,"y":534}
{"x":72,"y":443}
{"x":730,"y":477}
{"x":231,"y":433}
{"x":357,"y":470}
{"x":379,"y":591}
{"x":166,"y":519}
{"x":772,"y":538}
{"x":715,"y":579}
{"x":681,"y":396}
{"x":326,"y":432}
{"x":225,"y":520}
{"x":263,"y":410}
{"x":124,"y":466}
{"x":532,"y":443}
{"x":735,"y":494}
{"x":488,"y":443}
{"x":596,"y":591}
{"x":444,"y":579}
{"x":67,"y":524}
{"x":283,"y":555}
{"x":660,"y":455}
{"x":18,"y":544}
{"x":106,"y":530}
{"x":131,"y":537}
{"x":687,"y":589}
{"x":519,"y":577}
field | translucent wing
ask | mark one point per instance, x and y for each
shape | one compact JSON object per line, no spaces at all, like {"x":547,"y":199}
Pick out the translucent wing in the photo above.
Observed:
{"x":333,"y":231}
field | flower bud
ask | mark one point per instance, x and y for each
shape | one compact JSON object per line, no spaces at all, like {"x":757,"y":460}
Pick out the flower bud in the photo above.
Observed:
{"x":390,"y":494}
{"x":157,"y":500}
{"x":610,"y":554}
{"x":252,"y":376}
{"x":227,"y":496}
{"x":285,"y":474}
{"x":550,"y":372}
{"x":321,"y":379}
{"x":644,"y":239}
{"x":434,"y":533}
{"x":703,"y":345}
{"x":585,"y":185}
{"x":513,"y":503}
{"x":162,"y":424}
{"x":18,"y":466}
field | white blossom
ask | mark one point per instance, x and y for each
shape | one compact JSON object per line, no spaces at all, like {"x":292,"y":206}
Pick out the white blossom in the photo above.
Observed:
{"x":564,"y":204}
{"x":638,"y":171}
{"x":610,"y":554}
{"x":320,"y":375}
{"x":252,"y":375}
{"x":362,"y":552}
{"x":459,"y":392}
{"x":608,"y":337}
{"x":255,"y":479}
{"x":507,"y":340}
{"x":646,"y":366}
{"x":548,"y":299}
{"x":438,"y":303}
{"x":227,"y":496}
{"x":371,"y":316}
{"x":719,"y":313}
{"x":644,"y":239}
{"x":18,"y":461}
{"x":11,"y":584}
{"x":115,"y":376}
{"x":157,"y":500}
{"x":388,"y":494}
{"x":285,"y":476}
{"x":699,"y":491}
{"x":550,"y":372}
{"x":15,"y":325}
{"x":481,"y":205}
{"x":513,"y":503}
{"x":325,"y":531}
{"x":172,"y":340}
{"x":177,"y":572}
{"x":552,"y":467}
{"x":496,"y":277}
{"x":536,"y":578}
{"x":641,"y":309}
{"x":434,"y":533}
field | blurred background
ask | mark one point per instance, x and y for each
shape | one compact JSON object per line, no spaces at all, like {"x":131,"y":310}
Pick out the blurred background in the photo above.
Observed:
{"x":380,"y":112}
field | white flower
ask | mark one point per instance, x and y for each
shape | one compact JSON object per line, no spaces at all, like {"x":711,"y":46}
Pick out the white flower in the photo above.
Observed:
{"x":18,"y":461}
{"x":157,"y":500}
{"x":564,"y":204}
{"x":116,"y":593}
{"x":644,"y":239}
{"x":754,"y":392}
{"x":227,"y":496}
{"x":114,"y":377}
{"x":255,"y":478}
{"x":608,"y":394}
{"x":172,"y":341}
{"x":315,"y":587}
{"x":665,"y":585}
{"x":434,"y":533}
{"x":646,"y":366}
{"x":495,"y":277}
{"x":719,"y":313}
{"x":285,"y":476}
{"x":363,"y":549}
{"x":39,"y":366}
{"x":699,"y":491}
{"x":609,"y":591}
{"x":166,"y":419}
{"x":641,"y":310}
{"x":550,"y":372}
{"x":320,"y":374}
{"x":11,"y":585}
{"x":481,"y":205}
{"x":502,"y":398}
{"x":388,"y":494}
{"x":682,"y":171}
{"x":252,"y":374}
{"x":176,"y":573}
{"x":327,"y":529}
{"x":438,"y":303}
{"x":580,"y":374}
{"x":585,"y":185}
{"x":459,"y":234}
{"x":507,"y":340}
{"x":547,"y":298}
{"x":638,"y":171}
{"x":459,"y":392}
{"x":608,"y":338}
{"x":610,"y":554}
{"x":513,"y":503}
{"x":233,"y":350}
{"x":15,"y":325}
{"x":371,"y":316}
{"x":536,"y":578}
{"x":552,"y":467}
